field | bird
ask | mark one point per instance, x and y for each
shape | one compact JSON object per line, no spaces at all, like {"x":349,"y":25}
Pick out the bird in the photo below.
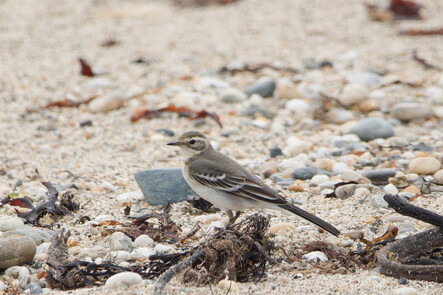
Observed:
{"x":223,"y":182}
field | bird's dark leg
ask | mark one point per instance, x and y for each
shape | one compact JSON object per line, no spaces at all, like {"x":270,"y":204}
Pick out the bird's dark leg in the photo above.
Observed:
{"x":231,"y":216}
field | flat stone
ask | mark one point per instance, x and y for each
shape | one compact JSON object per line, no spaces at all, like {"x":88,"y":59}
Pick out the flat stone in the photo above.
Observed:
{"x":424,"y":165}
{"x":16,"y":250}
{"x":120,"y":241}
{"x":305,"y":173}
{"x":8,"y":223}
{"x":123,"y":280}
{"x":371,"y":128}
{"x":353,"y":94}
{"x":35,"y":288}
{"x":407,"y":111}
{"x":263,"y":88}
{"x":36,"y":234}
{"x":274,"y":152}
{"x":379,"y":176}
{"x":163,"y":186}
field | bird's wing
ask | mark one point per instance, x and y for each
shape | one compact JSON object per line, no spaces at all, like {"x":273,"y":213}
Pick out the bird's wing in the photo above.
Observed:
{"x":237,"y":181}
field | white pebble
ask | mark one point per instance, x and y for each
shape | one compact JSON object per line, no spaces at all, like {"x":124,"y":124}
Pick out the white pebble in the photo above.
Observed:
{"x":438,"y":176}
{"x":10,"y":223}
{"x":228,"y":285}
{"x":160,"y":248}
{"x":315,"y":256}
{"x":120,"y":241}
{"x":297,"y":148}
{"x":406,"y":291}
{"x":116,"y":256}
{"x":130,"y":197}
{"x":43,"y":248}
{"x":123,"y":279}
{"x":143,"y":241}
{"x":2,"y":286}
{"x":338,"y":167}
{"x":348,"y":174}
{"x":353,"y":94}
{"x":108,"y":186}
{"x":143,"y":252}
{"x":424,"y":165}
{"x":207,"y":218}
{"x":390,"y":189}
{"x":274,"y":229}
{"x":20,"y":272}
{"x":318,"y":179}
{"x":108,"y":102}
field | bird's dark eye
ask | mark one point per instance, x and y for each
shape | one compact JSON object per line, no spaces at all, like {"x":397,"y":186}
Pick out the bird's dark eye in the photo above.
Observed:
{"x":192,"y":141}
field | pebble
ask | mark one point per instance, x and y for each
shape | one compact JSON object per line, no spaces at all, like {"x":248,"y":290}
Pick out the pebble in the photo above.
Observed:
{"x":2,"y":286}
{"x":311,"y":91}
{"x":349,"y":175}
{"x":36,"y":234}
{"x":345,"y":191}
{"x":338,"y":167}
{"x":438,"y":176}
{"x":276,"y":151}
{"x":16,"y":251}
{"x":371,"y":128}
{"x":231,"y":286}
{"x":402,"y":281}
{"x":43,"y":248}
{"x":305,"y":173}
{"x":108,"y":186}
{"x":339,"y":116}
{"x":299,"y":108}
{"x":94,"y":252}
{"x":364,"y":78}
{"x":353,"y":94}
{"x":129,"y":197}
{"x":407,"y":111}
{"x":319,"y":179}
{"x":438,"y":111}
{"x":123,"y":280}
{"x":406,"y":291}
{"x":142,"y":252}
{"x":296,"y":148}
{"x":143,"y":241}
{"x":434,"y":95}
{"x":232,"y":95}
{"x":356,"y":234}
{"x":315,"y":256}
{"x":19,"y":272}
{"x":390,"y":189}
{"x":379,"y":176}
{"x":325,"y":164}
{"x":163,"y":186}
{"x":264,"y":87}
{"x":346,"y":243}
{"x":8,"y":223}
{"x":281,"y":226}
{"x":120,"y":241}
{"x":286,"y":89}
{"x":160,"y":248}
{"x":424,"y":165}
{"x":34,"y":288}
{"x":108,"y":102}
{"x":361,"y":193}
{"x":378,"y":202}
{"x":116,"y":257}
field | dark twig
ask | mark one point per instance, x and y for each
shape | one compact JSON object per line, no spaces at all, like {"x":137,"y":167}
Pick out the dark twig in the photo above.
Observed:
{"x":404,"y":208}
{"x":161,"y":282}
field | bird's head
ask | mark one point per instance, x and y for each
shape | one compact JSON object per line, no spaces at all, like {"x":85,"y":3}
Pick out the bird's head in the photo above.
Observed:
{"x":192,"y":143}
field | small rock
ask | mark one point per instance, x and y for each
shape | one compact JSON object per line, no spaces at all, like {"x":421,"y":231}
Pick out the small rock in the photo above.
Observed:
{"x":43,"y":248}
{"x":297,"y":148}
{"x":108,"y":186}
{"x":371,"y":128}
{"x":325,"y":164}
{"x":274,"y":229}
{"x":402,"y":281}
{"x":424,"y":165}
{"x":361,"y":193}
{"x":390,"y":189}
{"x":2,"y":286}
{"x":438,"y":176}
{"x":163,"y":186}
{"x":346,"y":243}
{"x":159,"y":248}
{"x":143,"y":241}
{"x":339,"y":116}
{"x":34,"y":288}
{"x":338,"y":167}
{"x":286,"y":89}
{"x":142,"y":252}
{"x":108,"y":102}
{"x":356,"y":234}
{"x":232,"y":95}
{"x":406,"y":291}
{"x":438,"y":111}
{"x":364,"y":78}
{"x":16,"y":251}
{"x":119,"y":241}
{"x":19,"y":272}
{"x":264,"y":88}
{"x":94,"y":252}
{"x":353,"y":94}
{"x":369,"y":105}
{"x":36,"y":234}
{"x":305,"y":173}
{"x":8,"y":223}
{"x":378,"y":202}
{"x":407,"y":111}
{"x":231,"y":286}
{"x":299,"y":108}
{"x":116,"y":257}
{"x":349,"y":175}
{"x":123,"y":280}
{"x":435,"y":95}
{"x":276,"y":151}
{"x":315,"y":256}
{"x":311,"y":91}
{"x":379,"y":176}
{"x":345,"y":191}
{"x":129,"y":197}
{"x":319,"y":179}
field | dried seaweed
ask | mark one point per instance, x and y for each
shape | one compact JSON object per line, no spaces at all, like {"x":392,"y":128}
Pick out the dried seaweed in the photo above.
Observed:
{"x":423,"y":62}
{"x":422,"y":32}
{"x":51,"y":206}
{"x":164,"y":230}
{"x":68,"y":103}
{"x":85,"y":68}
{"x":405,"y":9}
{"x":182,"y":111}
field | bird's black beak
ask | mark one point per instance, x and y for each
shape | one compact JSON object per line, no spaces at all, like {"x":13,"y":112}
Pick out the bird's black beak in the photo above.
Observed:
{"x":175,"y":143}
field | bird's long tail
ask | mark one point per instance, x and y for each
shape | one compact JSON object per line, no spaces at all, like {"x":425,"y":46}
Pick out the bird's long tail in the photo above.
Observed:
{"x":312,"y":218}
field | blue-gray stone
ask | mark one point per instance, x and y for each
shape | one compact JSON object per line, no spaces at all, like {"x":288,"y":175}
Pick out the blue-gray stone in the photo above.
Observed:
{"x":371,"y":128}
{"x":34,"y":288}
{"x":274,"y":152}
{"x":264,"y":89}
{"x":305,"y":173}
{"x":379,"y":175}
{"x":163,"y":186}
